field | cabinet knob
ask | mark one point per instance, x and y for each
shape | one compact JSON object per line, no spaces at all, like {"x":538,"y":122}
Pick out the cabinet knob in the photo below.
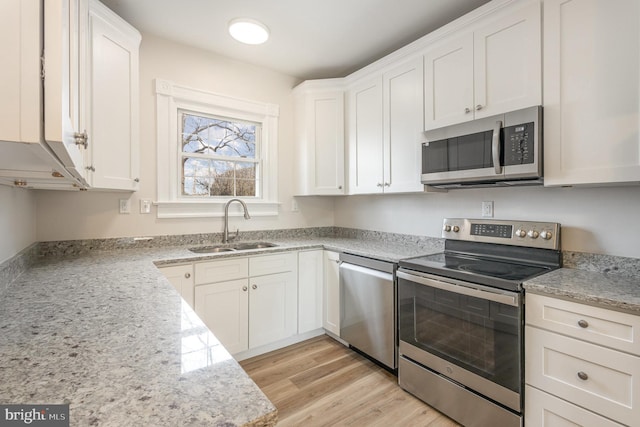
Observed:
{"x":254,"y":286}
{"x":339,"y":187}
{"x":467,"y":110}
{"x":479,"y":107}
{"x":187,"y":275}
{"x":379,"y":184}
{"x":583,"y":323}
{"x":244,"y":288}
{"x":387,"y":184}
{"x":583,"y":376}
{"x":137,"y":180}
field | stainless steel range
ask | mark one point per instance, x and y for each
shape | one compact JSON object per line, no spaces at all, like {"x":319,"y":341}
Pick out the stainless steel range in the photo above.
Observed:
{"x":461,"y":317}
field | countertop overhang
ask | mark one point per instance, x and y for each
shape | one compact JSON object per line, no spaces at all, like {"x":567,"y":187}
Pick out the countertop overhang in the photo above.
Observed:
{"x":107,"y":334}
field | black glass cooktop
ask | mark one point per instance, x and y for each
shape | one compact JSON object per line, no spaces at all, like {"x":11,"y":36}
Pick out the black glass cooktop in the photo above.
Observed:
{"x":476,"y":269}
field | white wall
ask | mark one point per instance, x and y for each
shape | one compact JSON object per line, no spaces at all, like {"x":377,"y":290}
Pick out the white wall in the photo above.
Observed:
{"x":17,"y":220}
{"x":62,"y":216}
{"x":597,"y":220}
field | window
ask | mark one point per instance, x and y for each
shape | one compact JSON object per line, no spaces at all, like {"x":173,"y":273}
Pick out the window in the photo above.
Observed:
{"x":220,"y":156}
{"x":212,"y":148}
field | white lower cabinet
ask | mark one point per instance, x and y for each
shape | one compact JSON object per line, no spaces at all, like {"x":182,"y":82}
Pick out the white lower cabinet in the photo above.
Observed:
{"x":224,"y":308}
{"x":248,"y":302}
{"x":310,"y":286}
{"x":545,"y":410}
{"x":273,"y":308}
{"x":576,"y":360}
{"x":331,"y":291}
{"x":181,"y":277}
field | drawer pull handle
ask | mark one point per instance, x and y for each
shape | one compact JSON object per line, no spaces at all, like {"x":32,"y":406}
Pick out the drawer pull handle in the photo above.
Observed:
{"x":583,"y":323}
{"x":583,"y":376}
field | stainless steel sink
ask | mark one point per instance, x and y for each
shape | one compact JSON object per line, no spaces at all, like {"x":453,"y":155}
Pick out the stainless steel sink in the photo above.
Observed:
{"x":241,"y":246}
{"x":252,"y":245}
{"x":211,"y":249}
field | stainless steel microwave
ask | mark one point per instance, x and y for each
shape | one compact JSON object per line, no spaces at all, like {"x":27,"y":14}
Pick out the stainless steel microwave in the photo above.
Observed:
{"x":500,"y":150}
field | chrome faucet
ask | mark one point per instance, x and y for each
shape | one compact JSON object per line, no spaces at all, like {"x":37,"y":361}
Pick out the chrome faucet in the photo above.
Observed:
{"x":225,"y":236}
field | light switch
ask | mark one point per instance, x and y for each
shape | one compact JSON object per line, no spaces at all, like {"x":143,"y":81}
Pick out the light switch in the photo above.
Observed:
{"x":125,"y":206}
{"x":145,"y":206}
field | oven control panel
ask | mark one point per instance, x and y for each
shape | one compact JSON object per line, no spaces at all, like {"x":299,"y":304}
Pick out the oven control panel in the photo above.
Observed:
{"x":544,"y":235}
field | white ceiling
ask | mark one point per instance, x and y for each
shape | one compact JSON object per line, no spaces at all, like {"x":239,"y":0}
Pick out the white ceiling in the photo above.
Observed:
{"x":310,"y":39}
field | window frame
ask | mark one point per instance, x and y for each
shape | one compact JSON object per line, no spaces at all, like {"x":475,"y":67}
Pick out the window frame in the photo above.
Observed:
{"x":256,"y":160}
{"x":171,"y":99}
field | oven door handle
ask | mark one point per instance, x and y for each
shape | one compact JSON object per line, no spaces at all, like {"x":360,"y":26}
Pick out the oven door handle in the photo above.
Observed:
{"x":498,"y":297}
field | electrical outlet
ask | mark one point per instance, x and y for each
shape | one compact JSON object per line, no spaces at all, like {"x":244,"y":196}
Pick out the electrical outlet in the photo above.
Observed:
{"x":125,"y":206}
{"x":145,"y":206}
{"x":294,"y":205}
{"x":487,"y":209}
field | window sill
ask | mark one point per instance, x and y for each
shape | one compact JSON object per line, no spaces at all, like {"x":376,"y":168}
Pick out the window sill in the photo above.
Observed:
{"x":213,"y":209}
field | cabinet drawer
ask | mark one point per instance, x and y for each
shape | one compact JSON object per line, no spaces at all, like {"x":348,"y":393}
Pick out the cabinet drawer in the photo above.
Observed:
{"x":270,"y":264}
{"x":223,"y":270}
{"x":598,"y":325}
{"x":545,"y":410}
{"x":556,"y":363}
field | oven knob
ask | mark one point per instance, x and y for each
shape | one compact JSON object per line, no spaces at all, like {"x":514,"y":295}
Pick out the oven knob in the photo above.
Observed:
{"x":447,"y":228}
{"x":533,"y":234}
{"x":546,"y":235}
{"x":456,"y":228}
{"x":521,"y":233}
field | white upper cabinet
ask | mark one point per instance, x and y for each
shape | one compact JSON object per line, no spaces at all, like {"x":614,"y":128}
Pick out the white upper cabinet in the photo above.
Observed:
{"x":365,"y":137}
{"x":591,"y":92}
{"x":385,"y":125}
{"x":62,"y":89}
{"x":403,"y":125}
{"x":74,"y":114}
{"x":493,"y":69}
{"x":319,"y":130}
{"x":110,"y":82}
{"x":20,"y":84}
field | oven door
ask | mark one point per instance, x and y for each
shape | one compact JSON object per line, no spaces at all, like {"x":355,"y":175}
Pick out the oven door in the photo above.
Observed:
{"x":469,"y":333}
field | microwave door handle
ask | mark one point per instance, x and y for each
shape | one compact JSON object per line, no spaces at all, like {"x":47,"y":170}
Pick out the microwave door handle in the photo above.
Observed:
{"x":495,"y":147}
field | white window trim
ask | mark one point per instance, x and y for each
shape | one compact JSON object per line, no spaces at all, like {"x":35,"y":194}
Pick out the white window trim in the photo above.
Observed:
{"x":169,"y":99}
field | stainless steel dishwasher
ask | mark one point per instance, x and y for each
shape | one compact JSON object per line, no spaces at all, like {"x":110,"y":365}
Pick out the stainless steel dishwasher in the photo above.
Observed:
{"x":368,"y":309}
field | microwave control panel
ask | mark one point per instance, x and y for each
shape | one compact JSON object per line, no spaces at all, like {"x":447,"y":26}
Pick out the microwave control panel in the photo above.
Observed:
{"x":518,"y":144}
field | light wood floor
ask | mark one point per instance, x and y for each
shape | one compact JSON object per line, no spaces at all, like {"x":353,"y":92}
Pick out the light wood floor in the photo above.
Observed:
{"x":320,"y":382}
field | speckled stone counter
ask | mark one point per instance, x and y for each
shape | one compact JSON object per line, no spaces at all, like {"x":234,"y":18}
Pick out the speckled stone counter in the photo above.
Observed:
{"x":613,"y":291}
{"x":106,"y":333}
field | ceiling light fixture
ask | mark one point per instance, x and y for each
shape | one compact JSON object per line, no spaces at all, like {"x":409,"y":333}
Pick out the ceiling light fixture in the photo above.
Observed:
{"x":248,"y":31}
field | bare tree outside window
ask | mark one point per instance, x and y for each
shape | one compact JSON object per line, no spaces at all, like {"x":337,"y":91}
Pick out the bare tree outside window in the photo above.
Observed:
{"x":219,"y":156}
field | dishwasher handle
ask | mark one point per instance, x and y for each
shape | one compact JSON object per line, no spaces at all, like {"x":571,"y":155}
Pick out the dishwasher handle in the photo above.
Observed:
{"x":345,"y":266}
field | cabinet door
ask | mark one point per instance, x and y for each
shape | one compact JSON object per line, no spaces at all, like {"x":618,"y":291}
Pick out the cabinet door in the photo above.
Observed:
{"x":273,"y":308}
{"x":365,"y":137}
{"x":403,"y":126}
{"x":320,"y":146}
{"x":224,"y":308}
{"x":181,"y":277}
{"x":545,"y":410}
{"x":331,"y":298}
{"x":20,"y":82}
{"x":448,"y":83}
{"x":507,"y":63}
{"x":604,"y":380}
{"x":591,"y":92}
{"x":310,"y":275}
{"x":112,"y":93}
{"x":61,"y":83}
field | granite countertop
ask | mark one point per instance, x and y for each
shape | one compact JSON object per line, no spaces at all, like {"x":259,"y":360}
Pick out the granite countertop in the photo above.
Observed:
{"x":105,"y":332}
{"x":612,"y":291}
